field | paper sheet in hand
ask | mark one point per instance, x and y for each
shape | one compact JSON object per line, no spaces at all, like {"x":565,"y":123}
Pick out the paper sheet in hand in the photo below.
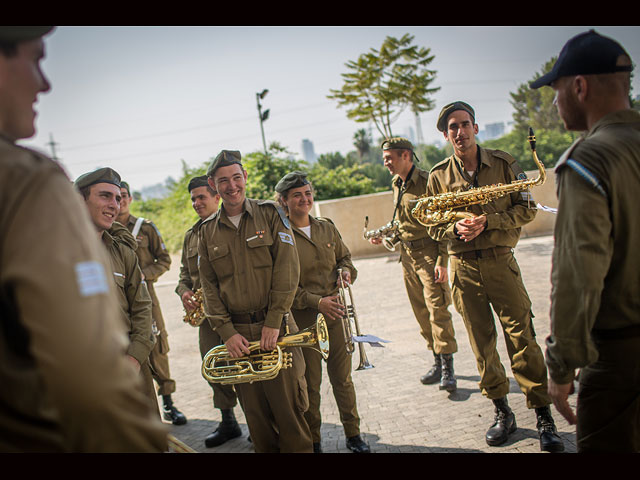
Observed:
{"x":547,"y":209}
{"x":370,"y":339}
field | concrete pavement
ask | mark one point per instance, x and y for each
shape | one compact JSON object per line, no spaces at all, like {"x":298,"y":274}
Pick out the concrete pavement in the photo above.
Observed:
{"x":398,"y":414}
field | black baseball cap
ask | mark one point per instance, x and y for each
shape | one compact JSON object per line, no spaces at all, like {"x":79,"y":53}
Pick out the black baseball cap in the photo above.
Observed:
{"x":588,"y":53}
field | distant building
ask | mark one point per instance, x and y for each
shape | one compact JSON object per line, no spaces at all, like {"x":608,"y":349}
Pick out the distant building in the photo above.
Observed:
{"x":308,"y":152}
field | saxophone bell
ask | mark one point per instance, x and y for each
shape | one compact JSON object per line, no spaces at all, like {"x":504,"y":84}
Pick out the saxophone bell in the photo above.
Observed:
{"x":387,"y":233}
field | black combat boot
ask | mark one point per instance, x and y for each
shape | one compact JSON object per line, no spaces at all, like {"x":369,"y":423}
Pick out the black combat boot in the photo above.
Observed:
{"x":504,"y":423}
{"x":434,"y":374}
{"x":550,"y":441}
{"x":171,"y":413}
{"x":448,"y":381}
{"x":357,"y":445}
{"x":227,"y":429}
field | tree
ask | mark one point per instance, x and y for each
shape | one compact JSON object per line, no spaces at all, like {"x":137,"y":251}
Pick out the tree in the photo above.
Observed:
{"x":362,"y":142}
{"x":381,"y":84}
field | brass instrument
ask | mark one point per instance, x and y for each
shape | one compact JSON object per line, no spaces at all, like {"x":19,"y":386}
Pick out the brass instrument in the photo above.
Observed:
{"x":388,"y":233}
{"x":347,"y":318}
{"x":197,"y":316}
{"x":219,"y":367}
{"x":450,"y":206}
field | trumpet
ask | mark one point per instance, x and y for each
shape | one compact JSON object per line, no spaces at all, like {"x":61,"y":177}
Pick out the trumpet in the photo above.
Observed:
{"x":219,"y":367}
{"x":388,"y":233}
{"x":346,"y":299}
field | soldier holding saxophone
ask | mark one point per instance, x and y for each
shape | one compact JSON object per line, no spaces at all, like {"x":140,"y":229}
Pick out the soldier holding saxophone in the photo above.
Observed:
{"x":249,"y":274}
{"x":322,"y":253}
{"x":485,"y":273}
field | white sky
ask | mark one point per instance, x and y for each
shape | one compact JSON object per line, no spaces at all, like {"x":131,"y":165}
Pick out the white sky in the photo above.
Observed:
{"x":141,"y":99}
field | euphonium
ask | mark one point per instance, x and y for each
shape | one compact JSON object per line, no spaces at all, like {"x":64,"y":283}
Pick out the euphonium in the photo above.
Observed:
{"x":197,"y":316}
{"x":219,"y":367}
{"x":388,"y":233}
{"x":450,"y":206}
{"x":350,"y":315}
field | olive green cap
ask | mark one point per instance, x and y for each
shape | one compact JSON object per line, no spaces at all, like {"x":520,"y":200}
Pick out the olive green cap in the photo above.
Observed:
{"x":197,"y":182}
{"x":452,"y":107}
{"x":292,"y":180}
{"x":224,"y":159}
{"x":101,"y":175}
{"x":17,"y":34}
{"x":125,"y":185}
{"x":396,"y":143}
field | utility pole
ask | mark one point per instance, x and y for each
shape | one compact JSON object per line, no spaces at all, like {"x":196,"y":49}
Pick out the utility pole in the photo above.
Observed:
{"x":262,"y":116}
{"x":420,"y":138}
{"x":52,"y":145}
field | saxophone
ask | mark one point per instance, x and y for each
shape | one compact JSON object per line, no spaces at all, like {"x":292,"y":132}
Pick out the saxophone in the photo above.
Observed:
{"x":388,"y":233}
{"x":197,"y":316}
{"x":451,"y":206}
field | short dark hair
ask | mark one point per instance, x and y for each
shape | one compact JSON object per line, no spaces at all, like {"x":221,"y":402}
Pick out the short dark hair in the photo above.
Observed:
{"x":8,"y":49}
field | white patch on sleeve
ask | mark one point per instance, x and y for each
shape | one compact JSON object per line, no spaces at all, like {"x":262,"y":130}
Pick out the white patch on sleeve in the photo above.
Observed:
{"x":91,"y":278}
{"x":285,"y":238}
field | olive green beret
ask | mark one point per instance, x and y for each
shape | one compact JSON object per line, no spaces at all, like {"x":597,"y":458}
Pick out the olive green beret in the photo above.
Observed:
{"x":196,"y":182}
{"x":125,"y":185}
{"x":17,"y":34}
{"x":292,"y":180}
{"x":224,"y":159}
{"x":101,"y":175}
{"x":452,"y":107}
{"x":396,"y":143}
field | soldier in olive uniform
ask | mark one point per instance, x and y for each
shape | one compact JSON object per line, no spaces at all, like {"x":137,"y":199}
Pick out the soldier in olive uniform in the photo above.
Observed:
{"x":321,"y":253}
{"x":485,"y":274}
{"x":424,"y":263}
{"x":205,"y":202}
{"x":249,"y":274}
{"x":57,"y":395}
{"x":154,"y":261}
{"x":595,"y":276}
{"x":101,"y":192}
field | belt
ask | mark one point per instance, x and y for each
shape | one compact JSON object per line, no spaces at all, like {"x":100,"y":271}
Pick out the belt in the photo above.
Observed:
{"x":485,"y":252}
{"x":253,"y":317}
{"x":601,"y":334}
{"x":417,"y":243}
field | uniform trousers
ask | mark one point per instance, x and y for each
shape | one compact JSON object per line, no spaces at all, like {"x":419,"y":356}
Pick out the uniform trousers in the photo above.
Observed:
{"x":429,"y":300}
{"x":496,"y":281}
{"x":274,"y":409}
{"x":608,"y":407}
{"x":148,"y":388}
{"x":339,"y":372}
{"x":224,"y":396}
{"x":159,"y":357}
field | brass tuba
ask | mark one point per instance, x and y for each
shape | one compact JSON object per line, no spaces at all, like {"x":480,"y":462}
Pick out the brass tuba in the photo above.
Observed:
{"x":197,"y":316}
{"x":450,"y":206}
{"x":346,"y":299}
{"x":388,"y":233}
{"x":219,"y":367}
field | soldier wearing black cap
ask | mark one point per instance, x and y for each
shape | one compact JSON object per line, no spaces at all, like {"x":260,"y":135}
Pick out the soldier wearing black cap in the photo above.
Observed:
{"x":205,"y":201}
{"x":321,"y":253}
{"x":154,"y":261}
{"x":486,"y":274}
{"x":249,"y":275}
{"x":424,"y":264}
{"x":595,"y":276}
{"x":64,"y":373}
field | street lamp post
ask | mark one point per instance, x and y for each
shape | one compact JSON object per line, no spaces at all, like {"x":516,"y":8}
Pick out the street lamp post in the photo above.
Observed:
{"x":262,"y":116}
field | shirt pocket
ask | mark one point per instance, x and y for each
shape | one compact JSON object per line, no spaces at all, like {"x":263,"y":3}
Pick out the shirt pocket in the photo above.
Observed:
{"x":221,"y":260}
{"x":260,"y":251}
{"x":327,"y":253}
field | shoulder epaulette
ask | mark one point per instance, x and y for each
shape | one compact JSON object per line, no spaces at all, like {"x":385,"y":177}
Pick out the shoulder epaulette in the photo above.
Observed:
{"x":279,"y":209}
{"x":440,"y":164}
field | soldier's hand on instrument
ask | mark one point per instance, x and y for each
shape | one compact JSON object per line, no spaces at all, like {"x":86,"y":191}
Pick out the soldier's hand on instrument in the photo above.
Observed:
{"x":237,"y":346}
{"x":346,"y":278}
{"x":269,"y":338}
{"x":470,"y":228}
{"x":188,"y":301}
{"x":559,"y":393}
{"x":441,"y":274}
{"x":331,"y":307}
{"x":375,"y":240}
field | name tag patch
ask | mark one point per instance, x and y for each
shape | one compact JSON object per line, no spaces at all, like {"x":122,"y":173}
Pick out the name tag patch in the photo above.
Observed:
{"x":285,"y":238}
{"x":91,"y":278}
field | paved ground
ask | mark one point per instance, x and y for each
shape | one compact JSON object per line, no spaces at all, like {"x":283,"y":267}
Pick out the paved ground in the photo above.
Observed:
{"x":398,"y":413}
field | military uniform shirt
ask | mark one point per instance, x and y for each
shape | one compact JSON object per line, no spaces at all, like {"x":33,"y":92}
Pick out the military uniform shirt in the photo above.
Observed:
{"x":505,"y":215}
{"x":249,"y":268}
{"x":189,"y":278}
{"x":152,"y":253}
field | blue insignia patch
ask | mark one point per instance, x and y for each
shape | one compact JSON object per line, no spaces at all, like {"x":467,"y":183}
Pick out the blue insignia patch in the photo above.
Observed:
{"x":285,"y":238}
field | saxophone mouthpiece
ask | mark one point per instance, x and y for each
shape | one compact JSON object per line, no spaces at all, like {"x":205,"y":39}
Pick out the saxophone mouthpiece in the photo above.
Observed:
{"x":532,"y":139}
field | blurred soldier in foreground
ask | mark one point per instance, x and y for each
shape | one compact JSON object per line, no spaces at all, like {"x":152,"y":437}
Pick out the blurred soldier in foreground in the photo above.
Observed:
{"x":595,"y":276}
{"x":66,"y":382}
{"x":205,"y":200}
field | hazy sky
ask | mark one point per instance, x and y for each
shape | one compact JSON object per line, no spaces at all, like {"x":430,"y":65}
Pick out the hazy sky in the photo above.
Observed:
{"x":141,"y":99}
